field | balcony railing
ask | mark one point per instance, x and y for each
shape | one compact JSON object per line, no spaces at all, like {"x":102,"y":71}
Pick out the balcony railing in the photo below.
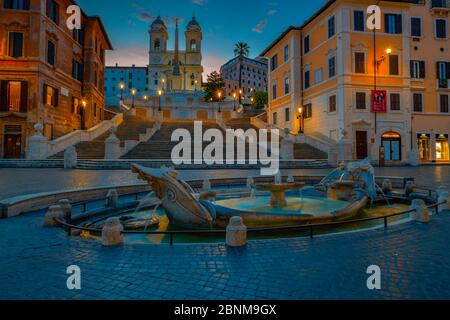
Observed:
{"x":440,"y":4}
{"x":443,"y":83}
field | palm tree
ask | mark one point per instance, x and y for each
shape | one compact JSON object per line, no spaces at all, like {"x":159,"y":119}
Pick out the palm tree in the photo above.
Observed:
{"x":241,"y":49}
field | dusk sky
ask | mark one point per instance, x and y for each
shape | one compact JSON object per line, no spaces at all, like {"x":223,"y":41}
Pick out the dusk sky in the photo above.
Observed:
{"x":257,"y":22}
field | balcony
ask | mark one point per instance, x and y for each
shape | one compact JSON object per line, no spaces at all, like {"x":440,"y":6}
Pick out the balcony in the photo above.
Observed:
{"x":440,"y":4}
{"x":443,"y":83}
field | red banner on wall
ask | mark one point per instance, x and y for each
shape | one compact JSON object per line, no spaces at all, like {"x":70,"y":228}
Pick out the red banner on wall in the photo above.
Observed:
{"x":379,"y":101}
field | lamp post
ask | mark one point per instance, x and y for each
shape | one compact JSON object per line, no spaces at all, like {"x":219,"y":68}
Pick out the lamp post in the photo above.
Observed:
{"x":83,"y":124}
{"x":219,"y":95}
{"x":160,"y":92}
{"x":300,"y":117}
{"x":196,"y":82}
{"x":234,"y":99}
{"x":122,"y":87}
{"x":133,"y":93}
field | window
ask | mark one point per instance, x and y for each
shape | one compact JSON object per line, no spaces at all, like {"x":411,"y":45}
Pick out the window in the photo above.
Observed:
{"x":274,"y":91}
{"x":286,"y":85}
{"x":78,"y":35}
{"x":395,"y":101}
{"x":331,"y":67}
{"x":318,"y":75}
{"x":393,"y":65}
{"x":416,"y":27}
{"x":77,"y":70}
{"x":17,"y":4}
{"x":51,"y":53}
{"x":444,"y":103}
{"x":417,"y":102}
{"x":16,"y":44}
{"x":308,"y":111}
{"x":275,"y":118}
{"x":306,"y":44}
{"x":287,"y":115}
{"x":13,"y":96}
{"x":443,"y":73}
{"x":274,"y":63}
{"x":360,"y":62}
{"x":417,"y":69}
{"x":193,"y":45}
{"x":393,"y":23}
{"x":307,"y":79}
{"x":361,"y":101}
{"x":441,"y":28}
{"x":286,"y":53}
{"x":332,"y":103}
{"x":76,"y":104}
{"x":358,"y":20}
{"x":50,"y":96}
{"x":95,"y":110}
{"x":331,"y":27}
{"x":52,"y":10}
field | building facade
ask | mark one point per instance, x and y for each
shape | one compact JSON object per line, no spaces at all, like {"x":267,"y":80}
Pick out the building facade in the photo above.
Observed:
{"x":325,"y":74}
{"x":129,"y":77}
{"x":243,"y":73}
{"x":48,"y":73}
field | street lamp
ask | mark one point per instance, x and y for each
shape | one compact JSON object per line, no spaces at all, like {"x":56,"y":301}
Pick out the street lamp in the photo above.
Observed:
{"x":300,"y":117}
{"x":160,"y":92}
{"x":122,"y":87}
{"x":234,"y":99}
{"x":133,"y":93}
{"x":196,"y":82}
{"x":219,"y":95}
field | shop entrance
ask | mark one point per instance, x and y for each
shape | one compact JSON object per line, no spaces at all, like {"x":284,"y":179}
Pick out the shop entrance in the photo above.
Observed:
{"x":392,"y":143}
{"x":424,"y":141}
{"x":442,"y":152}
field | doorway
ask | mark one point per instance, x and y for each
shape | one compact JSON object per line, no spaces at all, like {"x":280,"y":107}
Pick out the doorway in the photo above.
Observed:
{"x":361,"y":145}
{"x":13,"y":146}
{"x":392,"y":143}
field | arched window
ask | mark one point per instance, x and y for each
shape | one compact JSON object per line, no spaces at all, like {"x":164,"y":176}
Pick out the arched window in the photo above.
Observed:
{"x":157,"y":44}
{"x":193,"y":45}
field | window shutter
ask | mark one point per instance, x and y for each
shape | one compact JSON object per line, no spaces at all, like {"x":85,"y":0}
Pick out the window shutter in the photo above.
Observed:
{"x":3,"y":95}
{"x":437,"y":70}
{"x":422,"y":69}
{"x":56,"y":11}
{"x":23,"y":96}
{"x":48,"y":8}
{"x":44,"y":95}
{"x":386,"y":23}
{"x":56,"y":93}
{"x":398,"y":22}
{"x":411,"y":69}
{"x":448,"y":70}
{"x":26,"y":4}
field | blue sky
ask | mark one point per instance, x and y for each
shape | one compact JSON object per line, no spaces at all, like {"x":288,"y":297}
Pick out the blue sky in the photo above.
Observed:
{"x":257,"y":22}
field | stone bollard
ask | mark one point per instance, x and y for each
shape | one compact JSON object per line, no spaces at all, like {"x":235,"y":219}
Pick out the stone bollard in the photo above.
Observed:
{"x":444,"y":196}
{"x":112,"y":233}
{"x":112,"y":199}
{"x":421,"y":214}
{"x":70,"y":158}
{"x":410,"y":187}
{"x":66,"y":208}
{"x":386,"y":186}
{"x":54,"y":212}
{"x":236,"y":233}
{"x":441,"y":190}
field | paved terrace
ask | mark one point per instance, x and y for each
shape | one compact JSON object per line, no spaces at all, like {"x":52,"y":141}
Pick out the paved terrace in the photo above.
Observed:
{"x":413,"y":257}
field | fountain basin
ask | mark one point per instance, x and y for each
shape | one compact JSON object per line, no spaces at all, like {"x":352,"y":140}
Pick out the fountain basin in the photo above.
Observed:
{"x":278,"y":199}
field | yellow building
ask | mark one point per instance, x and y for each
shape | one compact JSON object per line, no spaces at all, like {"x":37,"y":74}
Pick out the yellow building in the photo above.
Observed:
{"x":322,"y":76}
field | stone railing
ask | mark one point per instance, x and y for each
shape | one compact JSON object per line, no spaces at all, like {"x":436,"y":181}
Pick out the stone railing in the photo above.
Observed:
{"x":40,"y":148}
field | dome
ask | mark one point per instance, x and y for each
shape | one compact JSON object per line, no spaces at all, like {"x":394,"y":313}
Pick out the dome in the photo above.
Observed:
{"x":193,"y":25}
{"x":158,"y":24}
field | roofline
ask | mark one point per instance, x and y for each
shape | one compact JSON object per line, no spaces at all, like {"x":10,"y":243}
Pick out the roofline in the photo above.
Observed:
{"x":281,"y":36}
{"x":124,"y":67}
{"x":102,"y":27}
{"x":251,"y":59}
{"x":312,"y":18}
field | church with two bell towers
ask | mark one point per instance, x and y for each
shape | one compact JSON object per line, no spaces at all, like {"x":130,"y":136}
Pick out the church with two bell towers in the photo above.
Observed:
{"x":175,"y":70}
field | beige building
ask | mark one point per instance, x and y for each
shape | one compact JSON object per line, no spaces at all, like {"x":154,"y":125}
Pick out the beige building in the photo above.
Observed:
{"x":47,"y":71}
{"x":323,"y":74}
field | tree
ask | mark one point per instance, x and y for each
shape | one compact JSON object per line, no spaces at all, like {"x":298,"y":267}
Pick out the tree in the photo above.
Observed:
{"x":241,"y":49}
{"x":260,"y":99}
{"x":214,"y":84}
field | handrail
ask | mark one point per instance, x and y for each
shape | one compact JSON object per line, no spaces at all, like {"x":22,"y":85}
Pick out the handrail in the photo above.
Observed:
{"x":310,"y":227}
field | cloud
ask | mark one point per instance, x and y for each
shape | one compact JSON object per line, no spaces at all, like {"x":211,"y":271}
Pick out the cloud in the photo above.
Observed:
{"x":200,"y":2}
{"x":259,"y":28}
{"x":272,"y":12}
{"x":127,"y":56}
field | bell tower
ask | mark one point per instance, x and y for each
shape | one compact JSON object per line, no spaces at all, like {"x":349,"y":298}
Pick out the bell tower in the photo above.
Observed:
{"x":193,"y":43}
{"x":158,"y":41}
